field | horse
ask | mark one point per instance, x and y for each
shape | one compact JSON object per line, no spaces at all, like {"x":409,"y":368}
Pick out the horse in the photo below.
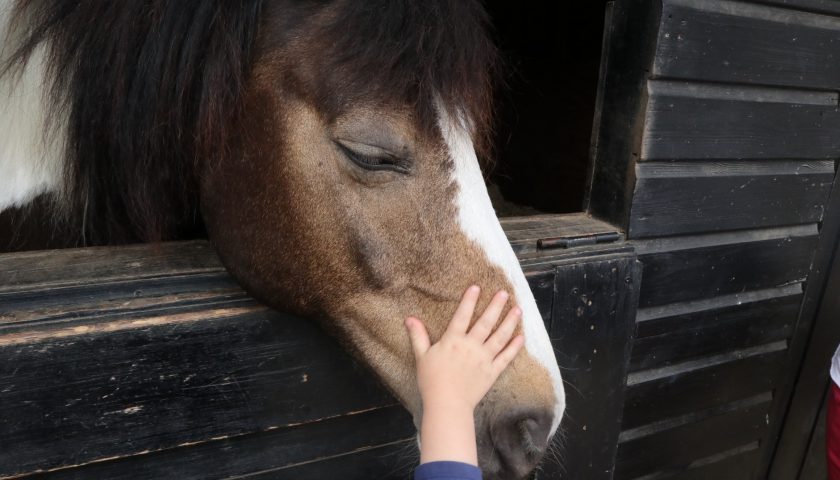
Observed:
{"x":329,"y":148}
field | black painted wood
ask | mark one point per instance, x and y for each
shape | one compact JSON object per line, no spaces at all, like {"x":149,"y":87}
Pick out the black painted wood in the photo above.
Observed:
{"x":294,"y":452}
{"x":711,"y":332}
{"x":740,"y":463}
{"x":689,"y":121}
{"x":681,"y":198}
{"x":818,"y":334}
{"x":699,"y":385}
{"x":628,"y":53}
{"x":146,"y":384}
{"x":677,"y":448}
{"x":704,"y":272}
{"x":739,"y":42}
{"x":591,"y":328}
{"x":815,"y":464}
{"x":830,"y":7}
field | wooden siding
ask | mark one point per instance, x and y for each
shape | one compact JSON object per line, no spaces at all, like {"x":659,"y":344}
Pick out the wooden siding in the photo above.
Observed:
{"x":721,"y":178}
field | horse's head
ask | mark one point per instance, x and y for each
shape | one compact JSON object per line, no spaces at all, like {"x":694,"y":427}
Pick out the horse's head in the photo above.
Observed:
{"x":332,"y":146}
{"x":356,"y":197}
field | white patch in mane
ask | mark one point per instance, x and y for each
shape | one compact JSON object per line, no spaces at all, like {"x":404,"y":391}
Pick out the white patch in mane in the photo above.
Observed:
{"x":31,"y":161}
{"x":479,"y":223}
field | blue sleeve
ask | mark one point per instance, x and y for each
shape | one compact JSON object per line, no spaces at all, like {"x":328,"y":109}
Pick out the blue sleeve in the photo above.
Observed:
{"x":447,"y":471}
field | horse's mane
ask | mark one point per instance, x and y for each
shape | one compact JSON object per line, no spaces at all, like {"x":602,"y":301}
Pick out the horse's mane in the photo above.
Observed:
{"x":149,"y":87}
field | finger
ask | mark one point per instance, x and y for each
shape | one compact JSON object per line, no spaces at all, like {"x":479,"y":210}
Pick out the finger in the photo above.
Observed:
{"x":507,"y":355}
{"x":485,"y":323}
{"x":501,"y":336}
{"x":464,"y":313}
{"x":419,"y":336}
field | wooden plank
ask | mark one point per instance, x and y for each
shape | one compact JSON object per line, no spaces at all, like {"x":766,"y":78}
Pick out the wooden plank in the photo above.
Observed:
{"x":830,"y":7}
{"x":815,"y":464}
{"x":738,"y":463}
{"x":276,"y":453}
{"x":627,"y":59}
{"x":674,"y":317}
{"x":39,"y":270}
{"x":678,"y":447}
{"x":386,"y":462}
{"x":524,"y":233}
{"x":687,"y":197}
{"x":592,"y":326}
{"x":167,"y":380}
{"x":714,"y":331}
{"x":125,"y":299}
{"x":704,"y":272}
{"x":737,"y":42}
{"x":691,"y":121}
{"x":702,"y":384}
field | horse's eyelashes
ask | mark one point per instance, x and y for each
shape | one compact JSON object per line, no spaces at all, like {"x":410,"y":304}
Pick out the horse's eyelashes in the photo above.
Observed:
{"x":374,"y":162}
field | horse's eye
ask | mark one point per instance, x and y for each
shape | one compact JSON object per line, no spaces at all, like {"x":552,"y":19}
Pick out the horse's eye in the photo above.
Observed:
{"x":378,"y":160}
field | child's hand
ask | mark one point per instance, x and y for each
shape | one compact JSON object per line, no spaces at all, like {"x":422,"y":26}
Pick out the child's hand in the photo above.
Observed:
{"x":457,"y":371}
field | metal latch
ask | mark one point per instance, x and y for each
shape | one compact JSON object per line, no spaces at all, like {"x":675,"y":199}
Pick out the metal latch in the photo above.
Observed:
{"x":577,"y":241}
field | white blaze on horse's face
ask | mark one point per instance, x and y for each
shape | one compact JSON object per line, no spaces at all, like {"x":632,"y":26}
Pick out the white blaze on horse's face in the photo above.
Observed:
{"x":477,"y":219}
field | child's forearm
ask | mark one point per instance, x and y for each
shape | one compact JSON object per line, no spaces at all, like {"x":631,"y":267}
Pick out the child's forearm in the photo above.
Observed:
{"x":448,"y":433}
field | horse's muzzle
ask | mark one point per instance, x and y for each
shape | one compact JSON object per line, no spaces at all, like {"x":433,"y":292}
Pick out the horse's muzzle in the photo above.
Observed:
{"x":520,"y":440}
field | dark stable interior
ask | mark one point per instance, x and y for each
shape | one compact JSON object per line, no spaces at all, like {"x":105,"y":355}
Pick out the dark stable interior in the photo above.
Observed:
{"x":545,"y":112}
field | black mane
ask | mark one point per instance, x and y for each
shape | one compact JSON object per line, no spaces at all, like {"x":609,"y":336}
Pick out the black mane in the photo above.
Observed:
{"x":150,"y":87}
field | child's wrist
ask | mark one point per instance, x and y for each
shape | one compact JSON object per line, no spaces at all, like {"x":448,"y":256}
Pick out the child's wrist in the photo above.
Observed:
{"x":454,"y":406}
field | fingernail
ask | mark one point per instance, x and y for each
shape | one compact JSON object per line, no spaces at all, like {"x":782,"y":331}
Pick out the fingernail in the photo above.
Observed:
{"x":517,"y":311}
{"x":503,"y":294}
{"x":474,"y":288}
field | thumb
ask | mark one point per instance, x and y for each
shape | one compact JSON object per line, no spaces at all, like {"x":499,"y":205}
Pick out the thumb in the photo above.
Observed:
{"x":418,"y":335}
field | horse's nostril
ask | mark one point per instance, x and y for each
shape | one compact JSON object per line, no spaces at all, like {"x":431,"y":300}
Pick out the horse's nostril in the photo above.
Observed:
{"x":520,"y":440}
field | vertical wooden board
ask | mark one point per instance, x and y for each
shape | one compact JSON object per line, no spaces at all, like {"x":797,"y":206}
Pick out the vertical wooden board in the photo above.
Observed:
{"x":593,"y":314}
{"x":691,"y":121}
{"x":628,"y":53}
{"x":681,"y":198}
{"x":739,"y":42}
{"x":815,"y":464}
{"x":705,"y":272}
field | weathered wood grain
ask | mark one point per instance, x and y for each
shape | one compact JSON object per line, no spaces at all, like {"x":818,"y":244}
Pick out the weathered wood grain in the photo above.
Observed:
{"x":681,"y":275}
{"x":738,"y":463}
{"x":701,"y":384}
{"x":695,"y":121}
{"x":739,"y":42}
{"x":39,"y":270}
{"x":293,"y":452}
{"x":678,"y":447}
{"x":128,"y":386}
{"x":591,"y":328}
{"x":681,"y":198}
{"x":714,"y":331}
